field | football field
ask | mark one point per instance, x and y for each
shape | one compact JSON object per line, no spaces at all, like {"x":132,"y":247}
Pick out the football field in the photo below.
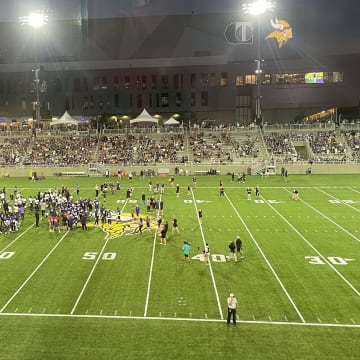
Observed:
{"x":112,"y":292}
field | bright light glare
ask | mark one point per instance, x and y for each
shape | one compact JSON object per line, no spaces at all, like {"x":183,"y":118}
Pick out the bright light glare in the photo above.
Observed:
{"x":35,"y":19}
{"x":258,"y":7}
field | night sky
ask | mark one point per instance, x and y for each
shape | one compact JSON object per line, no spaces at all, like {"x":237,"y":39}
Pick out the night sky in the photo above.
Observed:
{"x":333,"y":23}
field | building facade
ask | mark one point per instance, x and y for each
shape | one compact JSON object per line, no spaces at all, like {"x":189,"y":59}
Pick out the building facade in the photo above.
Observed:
{"x":200,"y":66}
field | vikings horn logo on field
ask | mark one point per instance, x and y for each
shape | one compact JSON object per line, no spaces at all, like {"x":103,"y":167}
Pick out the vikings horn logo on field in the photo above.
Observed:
{"x":282,"y":32}
{"x":126,"y":225}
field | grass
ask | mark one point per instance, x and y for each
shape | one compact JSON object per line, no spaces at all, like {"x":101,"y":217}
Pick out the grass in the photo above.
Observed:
{"x":85,"y":294}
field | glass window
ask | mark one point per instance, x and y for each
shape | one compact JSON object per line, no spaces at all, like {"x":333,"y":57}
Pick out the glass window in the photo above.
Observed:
{"x":164,"y":100}
{"x":164,"y":82}
{"x":224,"y":79}
{"x":193,"y":81}
{"x":193,"y":99}
{"x":204,"y":80}
{"x":178,"y":99}
{"x":204,"y":98}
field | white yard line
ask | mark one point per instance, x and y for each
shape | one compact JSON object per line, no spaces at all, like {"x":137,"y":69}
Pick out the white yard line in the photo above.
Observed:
{"x":342,"y":202}
{"x":352,"y":189}
{"x":208,"y":320}
{"x":210,"y":266}
{"x":151,"y":268}
{"x":33,"y":273}
{"x":311,"y":245}
{"x":93,"y":269}
{"x":267,"y":261}
{"x":327,"y":218}
{"x":17,"y":238}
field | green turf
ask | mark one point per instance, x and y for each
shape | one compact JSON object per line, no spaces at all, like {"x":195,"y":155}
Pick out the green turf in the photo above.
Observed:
{"x":92,"y":294}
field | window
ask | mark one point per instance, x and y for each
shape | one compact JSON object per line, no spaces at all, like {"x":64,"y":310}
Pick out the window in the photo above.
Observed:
{"x":153,"y":82}
{"x":164,"y":99}
{"x":115,"y":82}
{"x":139,"y":102}
{"x":86,"y":103}
{"x":193,"y":99}
{"x":178,"y":99}
{"x":176,"y":81}
{"x":224,"y":79}
{"x":85,"y":84}
{"x":143,"y":82}
{"x":193,"y":81}
{"x":240,"y":80}
{"x":204,"y":98}
{"x":212,"y":80}
{"x":77,"y":85}
{"x":204,"y":80}
{"x":150,"y":100}
{"x":127,"y":82}
{"x":164,"y":82}
{"x":96,"y":83}
{"x":116,"y":101}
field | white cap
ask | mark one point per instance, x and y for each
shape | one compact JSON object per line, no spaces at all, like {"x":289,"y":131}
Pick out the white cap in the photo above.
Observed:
{"x":232,"y":295}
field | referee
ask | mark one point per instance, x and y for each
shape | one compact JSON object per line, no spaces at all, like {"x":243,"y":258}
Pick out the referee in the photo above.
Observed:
{"x":232,"y":305}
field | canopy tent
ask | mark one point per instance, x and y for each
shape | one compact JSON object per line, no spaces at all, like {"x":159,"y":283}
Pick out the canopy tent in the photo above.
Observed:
{"x":144,"y":117}
{"x":171,"y":121}
{"x":66,"y":119}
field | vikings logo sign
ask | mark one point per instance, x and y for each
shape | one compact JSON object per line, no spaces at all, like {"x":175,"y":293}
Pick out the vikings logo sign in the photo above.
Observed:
{"x":126,"y":226}
{"x":282,"y":32}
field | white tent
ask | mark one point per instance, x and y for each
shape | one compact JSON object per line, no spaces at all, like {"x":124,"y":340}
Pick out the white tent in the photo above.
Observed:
{"x":66,"y":119}
{"x":171,"y":121}
{"x":144,"y":117}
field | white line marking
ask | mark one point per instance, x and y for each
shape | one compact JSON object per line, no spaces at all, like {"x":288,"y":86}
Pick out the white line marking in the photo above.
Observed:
{"x":313,"y":247}
{"x":342,"y":202}
{"x":210,"y":266}
{"x":151,"y":268}
{"x":109,"y":317}
{"x":17,"y":238}
{"x":327,"y":218}
{"x":93,"y":269}
{"x":33,"y":273}
{"x":266,"y":260}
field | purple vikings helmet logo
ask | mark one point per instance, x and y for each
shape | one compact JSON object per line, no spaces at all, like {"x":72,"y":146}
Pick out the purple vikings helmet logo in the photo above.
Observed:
{"x":282,"y":32}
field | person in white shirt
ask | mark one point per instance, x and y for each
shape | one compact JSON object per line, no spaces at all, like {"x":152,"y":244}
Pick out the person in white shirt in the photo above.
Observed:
{"x":232,"y":306}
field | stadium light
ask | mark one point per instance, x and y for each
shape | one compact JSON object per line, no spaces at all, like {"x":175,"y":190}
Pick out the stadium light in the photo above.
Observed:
{"x":257,"y":8}
{"x":36,"y":20}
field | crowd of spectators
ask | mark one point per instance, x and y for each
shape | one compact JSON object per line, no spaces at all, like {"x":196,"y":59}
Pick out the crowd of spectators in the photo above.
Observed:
{"x":326,"y":146}
{"x":280,"y":146}
{"x":220,"y":147}
{"x":353,"y":140}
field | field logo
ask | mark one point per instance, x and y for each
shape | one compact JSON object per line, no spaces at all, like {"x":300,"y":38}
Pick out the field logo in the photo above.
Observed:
{"x":282,"y":32}
{"x":127,"y":225}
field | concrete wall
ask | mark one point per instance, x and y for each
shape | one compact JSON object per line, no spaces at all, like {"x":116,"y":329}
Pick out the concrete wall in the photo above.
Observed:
{"x":300,"y":168}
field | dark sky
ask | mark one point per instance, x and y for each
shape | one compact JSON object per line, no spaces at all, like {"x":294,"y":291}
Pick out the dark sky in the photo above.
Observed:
{"x":335,"y":22}
{"x":345,"y":12}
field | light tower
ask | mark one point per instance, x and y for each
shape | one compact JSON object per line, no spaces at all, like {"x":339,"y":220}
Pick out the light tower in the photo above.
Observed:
{"x":36,"y":20}
{"x":257,"y":8}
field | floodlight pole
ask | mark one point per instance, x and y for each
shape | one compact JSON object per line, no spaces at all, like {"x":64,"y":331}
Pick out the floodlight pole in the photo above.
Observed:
{"x":258,"y":72}
{"x":35,"y":20}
